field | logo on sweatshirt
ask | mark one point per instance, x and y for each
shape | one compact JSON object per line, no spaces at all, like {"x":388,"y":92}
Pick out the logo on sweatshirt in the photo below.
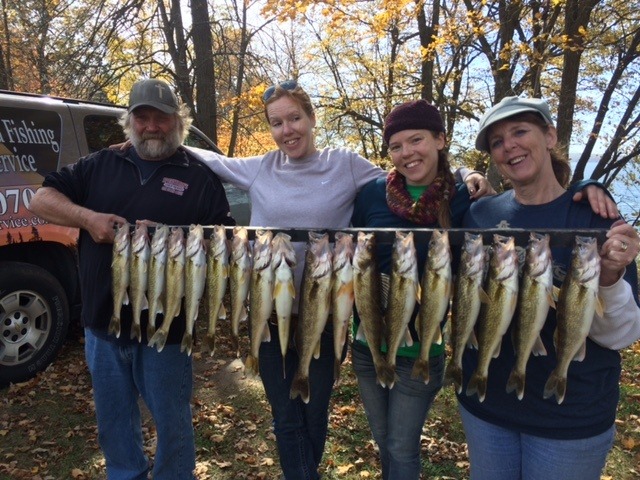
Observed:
{"x":171,"y":185}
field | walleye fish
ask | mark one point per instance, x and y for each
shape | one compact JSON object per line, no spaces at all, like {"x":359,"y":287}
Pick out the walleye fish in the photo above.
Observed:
{"x":367,"y":297}
{"x":120,"y":275}
{"x":436,"y":286}
{"x":315,"y":304}
{"x":283,"y":263}
{"x":157,"y":267}
{"x":342,"y":296}
{"x":404,"y":292}
{"x":260,"y":298}
{"x":577,"y":303}
{"x":195,"y":277}
{"x":217,"y":278}
{"x":495,"y":316}
{"x":239,"y":281}
{"x":534,"y":299}
{"x":174,"y":282}
{"x":465,"y":306}
{"x":138,"y":271}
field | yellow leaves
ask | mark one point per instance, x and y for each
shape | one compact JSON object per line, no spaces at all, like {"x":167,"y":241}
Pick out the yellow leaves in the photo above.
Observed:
{"x":344,"y":469}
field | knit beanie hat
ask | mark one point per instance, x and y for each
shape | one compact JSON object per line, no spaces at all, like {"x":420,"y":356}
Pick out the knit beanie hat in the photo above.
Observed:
{"x":413,"y":115}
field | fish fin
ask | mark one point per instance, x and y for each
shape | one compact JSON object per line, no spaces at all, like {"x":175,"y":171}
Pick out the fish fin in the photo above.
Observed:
{"x":421,"y":370}
{"x":244,"y":315}
{"x":145,"y":303}
{"x":516,"y":383}
{"x":408,"y":340}
{"x":555,"y":293}
{"x":477,"y":384}
{"x":600,"y":306}
{"x":360,"y":333}
{"x":472,"y":342}
{"x":439,"y":339}
{"x":316,"y":350}
{"x":125,"y":299}
{"x":581,"y":353}
{"x":556,"y":385}
{"x":418,"y":292}
{"x":224,"y":273}
{"x":292,"y":289}
{"x":538,"y":348}
{"x":266,"y":333}
{"x":222,"y":313}
{"x":484,"y":298}
{"x":345,"y":289}
{"x":300,"y":388}
{"x":551,"y":300}
{"x":496,"y":352}
{"x":453,"y":375}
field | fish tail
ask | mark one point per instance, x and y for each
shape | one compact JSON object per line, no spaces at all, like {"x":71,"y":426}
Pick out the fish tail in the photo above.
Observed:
{"x":114,"y":326}
{"x":136,"y":332}
{"x":336,"y":370}
{"x":235,"y":343}
{"x":252,"y":365}
{"x":210,"y":343}
{"x":516,"y":383}
{"x":187,"y":343}
{"x":386,"y":375}
{"x":300,"y":387}
{"x":556,"y":385}
{"x":453,"y":375}
{"x":158,"y":340}
{"x":151,"y":328}
{"x":477,"y":384}
{"x":421,"y":370}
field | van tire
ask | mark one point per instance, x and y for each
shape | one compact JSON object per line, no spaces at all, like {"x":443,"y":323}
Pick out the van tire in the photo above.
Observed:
{"x":34,"y":319}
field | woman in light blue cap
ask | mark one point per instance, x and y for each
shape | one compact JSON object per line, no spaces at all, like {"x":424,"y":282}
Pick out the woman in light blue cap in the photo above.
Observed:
{"x":536,"y":429}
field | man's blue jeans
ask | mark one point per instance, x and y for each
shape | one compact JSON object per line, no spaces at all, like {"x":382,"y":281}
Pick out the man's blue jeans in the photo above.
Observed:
{"x":498,"y":453}
{"x":300,"y":429}
{"x":396,"y":416}
{"x":120,"y":375}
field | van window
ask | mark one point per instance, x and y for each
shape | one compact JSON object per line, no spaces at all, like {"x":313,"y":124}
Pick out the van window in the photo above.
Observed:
{"x":102,"y":131}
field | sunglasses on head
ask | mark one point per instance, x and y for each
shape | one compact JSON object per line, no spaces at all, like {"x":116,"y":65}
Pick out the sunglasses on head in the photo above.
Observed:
{"x":287,"y":85}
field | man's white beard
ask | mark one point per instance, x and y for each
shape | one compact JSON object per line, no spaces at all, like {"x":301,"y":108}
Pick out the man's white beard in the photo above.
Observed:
{"x":156,"y":147}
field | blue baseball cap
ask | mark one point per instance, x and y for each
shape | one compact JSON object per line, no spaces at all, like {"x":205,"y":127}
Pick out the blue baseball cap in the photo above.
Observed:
{"x":508,"y":107}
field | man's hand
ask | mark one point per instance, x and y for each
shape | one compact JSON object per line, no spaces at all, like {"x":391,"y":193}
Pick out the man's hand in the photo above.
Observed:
{"x":478,"y":185}
{"x":601,"y":203}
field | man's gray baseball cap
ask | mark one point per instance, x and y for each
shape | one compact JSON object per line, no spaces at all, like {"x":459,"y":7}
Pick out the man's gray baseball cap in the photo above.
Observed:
{"x":508,"y":107}
{"x":153,"y":93}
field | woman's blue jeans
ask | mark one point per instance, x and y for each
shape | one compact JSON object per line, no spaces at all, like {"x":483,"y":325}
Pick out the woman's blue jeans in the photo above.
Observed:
{"x":396,"y":416}
{"x":120,"y":375}
{"x":300,"y":429}
{"x":498,"y":453}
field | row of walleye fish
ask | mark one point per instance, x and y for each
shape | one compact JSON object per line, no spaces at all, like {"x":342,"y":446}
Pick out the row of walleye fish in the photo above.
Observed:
{"x":161,"y":272}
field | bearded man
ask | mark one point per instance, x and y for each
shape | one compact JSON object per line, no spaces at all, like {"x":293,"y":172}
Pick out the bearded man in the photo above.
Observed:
{"x":153,"y":181}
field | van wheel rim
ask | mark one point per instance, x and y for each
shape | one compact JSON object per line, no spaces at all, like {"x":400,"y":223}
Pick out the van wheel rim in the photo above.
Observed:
{"x":25,"y":322}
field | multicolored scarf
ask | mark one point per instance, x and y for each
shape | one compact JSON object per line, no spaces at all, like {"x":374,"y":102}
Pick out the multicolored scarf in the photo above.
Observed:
{"x":425,"y":210}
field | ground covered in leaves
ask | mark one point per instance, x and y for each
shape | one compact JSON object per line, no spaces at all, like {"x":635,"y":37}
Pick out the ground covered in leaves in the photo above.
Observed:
{"x":47,"y":427}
